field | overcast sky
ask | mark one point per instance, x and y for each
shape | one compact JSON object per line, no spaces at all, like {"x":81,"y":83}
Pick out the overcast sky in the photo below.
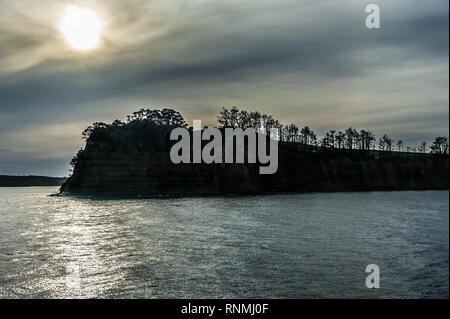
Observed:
{"x":304,"y":61}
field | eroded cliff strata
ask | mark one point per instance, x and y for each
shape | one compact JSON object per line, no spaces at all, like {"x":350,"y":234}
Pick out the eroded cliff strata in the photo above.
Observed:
{"x":100,"y":172}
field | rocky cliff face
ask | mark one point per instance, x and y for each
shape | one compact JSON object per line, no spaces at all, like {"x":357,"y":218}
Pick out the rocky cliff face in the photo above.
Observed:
{"x":100,"y":172}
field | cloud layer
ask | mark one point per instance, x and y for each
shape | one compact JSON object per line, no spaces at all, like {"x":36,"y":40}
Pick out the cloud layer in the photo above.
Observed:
{"x":308,"y":62}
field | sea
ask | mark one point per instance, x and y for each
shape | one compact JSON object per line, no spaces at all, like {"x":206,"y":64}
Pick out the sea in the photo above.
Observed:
{"x":312,"y":245}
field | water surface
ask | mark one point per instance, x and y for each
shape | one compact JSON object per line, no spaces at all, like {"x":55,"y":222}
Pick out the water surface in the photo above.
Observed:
{"x":279,"y":246}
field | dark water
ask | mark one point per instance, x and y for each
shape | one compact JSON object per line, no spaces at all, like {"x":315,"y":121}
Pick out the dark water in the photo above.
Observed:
{"x":282,"y":246}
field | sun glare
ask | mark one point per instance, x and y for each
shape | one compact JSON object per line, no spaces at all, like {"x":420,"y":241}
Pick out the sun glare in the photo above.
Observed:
{"x":81,"y":28}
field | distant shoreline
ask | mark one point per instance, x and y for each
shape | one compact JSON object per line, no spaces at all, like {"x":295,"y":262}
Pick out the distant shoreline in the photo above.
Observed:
{"x":30,"y":181}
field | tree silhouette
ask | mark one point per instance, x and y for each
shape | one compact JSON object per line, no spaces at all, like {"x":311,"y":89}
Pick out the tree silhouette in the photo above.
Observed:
{"x":329,"y":140}
{"x":385,"y":143}
{"x":224,"y":117}
{"x":367,"y":139}
{"x":350,"y":138}
{"x":340,"y":139}
{"x":422,"y":147}
{"x":440,"y":145}
{"x":158,"y":117}
{"x":305,"y":134}
{"x":94,"y":127}
{"x":292,"y":132}
{"x":236,"y":118}
{"x":255,"y":119}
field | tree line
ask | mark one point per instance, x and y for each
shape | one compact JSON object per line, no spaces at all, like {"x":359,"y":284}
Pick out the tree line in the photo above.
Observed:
{"x":348,"y":139}
{"x":141,"y":118}
{"x":156,"y":124}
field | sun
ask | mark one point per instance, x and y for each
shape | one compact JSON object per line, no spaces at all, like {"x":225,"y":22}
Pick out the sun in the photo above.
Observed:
{"x":81,"y":28}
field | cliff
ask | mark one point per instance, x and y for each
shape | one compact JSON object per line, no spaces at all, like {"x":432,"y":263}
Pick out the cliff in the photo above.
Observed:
{"x":102,"y":172}
{"x":133,"y":159}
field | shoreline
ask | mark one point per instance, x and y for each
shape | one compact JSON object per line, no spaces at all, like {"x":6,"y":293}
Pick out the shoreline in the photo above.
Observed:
{"x":112,"y":196}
